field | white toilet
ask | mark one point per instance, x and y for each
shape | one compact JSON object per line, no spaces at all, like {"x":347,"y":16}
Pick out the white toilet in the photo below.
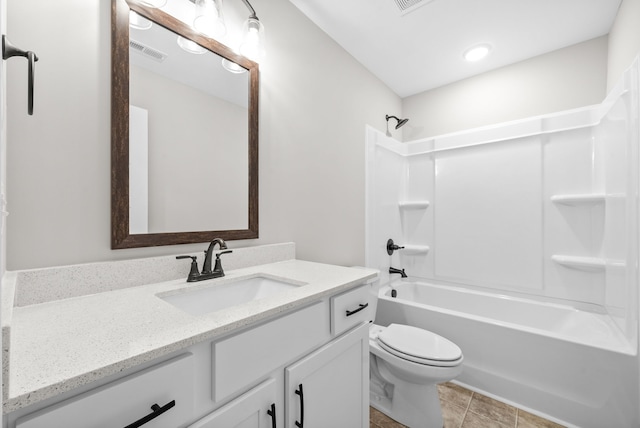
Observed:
{"x":406,"y":363}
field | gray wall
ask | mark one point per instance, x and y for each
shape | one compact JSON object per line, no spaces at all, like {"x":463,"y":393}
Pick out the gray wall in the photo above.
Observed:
{"x":315,"y":100}
{"x":624,"y":40}
{"x":564,"y":79}
{"x":198,"y":156}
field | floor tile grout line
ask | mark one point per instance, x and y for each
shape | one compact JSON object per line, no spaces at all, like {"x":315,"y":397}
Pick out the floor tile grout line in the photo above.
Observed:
{"x":464,"y":416}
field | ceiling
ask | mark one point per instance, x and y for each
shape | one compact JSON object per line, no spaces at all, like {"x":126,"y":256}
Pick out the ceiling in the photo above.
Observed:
{"x":422,"y":48}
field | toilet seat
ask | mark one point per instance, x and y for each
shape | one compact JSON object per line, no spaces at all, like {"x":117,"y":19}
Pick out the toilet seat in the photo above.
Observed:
{"x":419,"y":346}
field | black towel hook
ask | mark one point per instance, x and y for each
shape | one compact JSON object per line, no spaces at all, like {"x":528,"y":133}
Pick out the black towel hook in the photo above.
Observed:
{"x":9,"y":51}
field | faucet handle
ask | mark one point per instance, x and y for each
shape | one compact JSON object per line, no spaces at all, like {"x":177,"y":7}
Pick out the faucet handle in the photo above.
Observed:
{"x":193,"y":273}
{"x":218,"y":266}
{"x":391,"y":247}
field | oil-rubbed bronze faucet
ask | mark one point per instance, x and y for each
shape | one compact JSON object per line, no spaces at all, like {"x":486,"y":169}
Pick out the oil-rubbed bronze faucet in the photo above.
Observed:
{"x":207,"y":273}
{"x":400,"y":271}
{"x":206,"y":268}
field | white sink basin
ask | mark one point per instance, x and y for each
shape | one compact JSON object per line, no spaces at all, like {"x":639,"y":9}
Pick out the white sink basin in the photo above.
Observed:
{"x":216,"y":297}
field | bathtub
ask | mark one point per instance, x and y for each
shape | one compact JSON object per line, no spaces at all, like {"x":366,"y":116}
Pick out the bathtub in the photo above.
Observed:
{"x":568,"y":365}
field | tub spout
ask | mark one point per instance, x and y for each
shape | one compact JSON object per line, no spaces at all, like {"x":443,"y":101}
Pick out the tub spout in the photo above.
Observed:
{"x":400,"y":271}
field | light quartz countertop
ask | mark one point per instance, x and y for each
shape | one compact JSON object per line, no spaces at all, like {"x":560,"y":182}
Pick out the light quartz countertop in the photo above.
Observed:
{"x":60,"y":345}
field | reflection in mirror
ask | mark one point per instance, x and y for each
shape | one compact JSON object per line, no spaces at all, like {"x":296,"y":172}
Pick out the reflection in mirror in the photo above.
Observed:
{"x":191,"y":156}
{"x":184,"y":151}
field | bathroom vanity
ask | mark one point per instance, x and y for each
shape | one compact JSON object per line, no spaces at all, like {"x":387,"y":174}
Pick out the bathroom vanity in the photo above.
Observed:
{"x":134,"y":357}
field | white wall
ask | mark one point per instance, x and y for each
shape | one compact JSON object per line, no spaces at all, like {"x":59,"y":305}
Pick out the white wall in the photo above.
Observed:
{"x":315,"y":101}
{"x":624,"y":40}
{"x":561,"y":80}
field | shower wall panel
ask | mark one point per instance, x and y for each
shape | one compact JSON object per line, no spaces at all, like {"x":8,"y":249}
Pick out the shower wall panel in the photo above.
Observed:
{"x":488,"y":220}
{"x":417,"y":216}
{"x":384,"y":184}
{"x":572,"y":227}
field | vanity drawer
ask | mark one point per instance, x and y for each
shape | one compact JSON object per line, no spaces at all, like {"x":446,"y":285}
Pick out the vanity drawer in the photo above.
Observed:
{"x":350,"y":309}
{"x":125,"y":401}
{"x":242,"y":359}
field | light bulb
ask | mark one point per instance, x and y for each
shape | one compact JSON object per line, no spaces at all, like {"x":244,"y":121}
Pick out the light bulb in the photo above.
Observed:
{"x":209,"y":19}
{"x":252,"y":45}
{"x":232,"y":66}
{"x":190,"y":46}
{"x":154,"y":3}
{"x":138,"y":22}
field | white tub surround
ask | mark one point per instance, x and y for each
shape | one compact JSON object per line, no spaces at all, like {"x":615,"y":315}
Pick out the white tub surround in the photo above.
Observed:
{"x":545,"y":208}
{"x":59,"y":345}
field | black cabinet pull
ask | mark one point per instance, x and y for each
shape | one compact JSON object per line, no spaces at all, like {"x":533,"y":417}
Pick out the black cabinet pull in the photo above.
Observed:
{"x":157,"y":411}
{"x":272,"y":413}
{"x":349,"y":313}
{"x":301,"y":394}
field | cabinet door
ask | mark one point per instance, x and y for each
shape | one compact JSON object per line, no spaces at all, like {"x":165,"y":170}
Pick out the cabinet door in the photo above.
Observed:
{"x":330,"y":387}
{"x":254,"y":409}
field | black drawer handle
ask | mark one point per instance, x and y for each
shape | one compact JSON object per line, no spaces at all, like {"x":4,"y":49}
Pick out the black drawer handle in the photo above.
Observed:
{"x":349,"y":313}
{"x":157,"y":411}
{"x":272,"y":413}
{"x":301,"y":394}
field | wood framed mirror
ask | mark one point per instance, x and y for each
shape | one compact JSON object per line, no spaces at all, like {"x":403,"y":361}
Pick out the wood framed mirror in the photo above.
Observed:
{"x":184,"y":135}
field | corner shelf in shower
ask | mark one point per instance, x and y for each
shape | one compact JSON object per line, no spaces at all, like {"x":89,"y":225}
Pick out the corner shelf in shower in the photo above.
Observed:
{"x":415,"y":249}
{"x":591,"y":264}
{"x":413,"y":205}
{"x":582,"y":199}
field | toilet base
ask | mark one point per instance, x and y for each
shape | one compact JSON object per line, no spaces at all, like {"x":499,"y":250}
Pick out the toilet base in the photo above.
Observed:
{"x":416,"y":406}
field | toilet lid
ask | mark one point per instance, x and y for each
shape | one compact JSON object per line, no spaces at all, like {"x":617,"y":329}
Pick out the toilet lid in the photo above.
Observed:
{"x":418,"y":345}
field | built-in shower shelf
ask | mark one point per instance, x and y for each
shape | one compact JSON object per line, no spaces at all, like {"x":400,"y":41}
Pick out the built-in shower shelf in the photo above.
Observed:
{"x":592,"y":264}
{"x":415,"y":249}
{"x":413,"y":205}
{"x":579,"y":199}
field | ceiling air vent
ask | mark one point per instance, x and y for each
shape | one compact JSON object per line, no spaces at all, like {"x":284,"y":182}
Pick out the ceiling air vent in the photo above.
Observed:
{"x":406,"y":6}
{"x":147,"y":51}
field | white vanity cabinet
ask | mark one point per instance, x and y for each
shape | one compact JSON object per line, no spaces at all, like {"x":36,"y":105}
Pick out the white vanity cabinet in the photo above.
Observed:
{"x":307,"y":368}
{"x":327,"y":387}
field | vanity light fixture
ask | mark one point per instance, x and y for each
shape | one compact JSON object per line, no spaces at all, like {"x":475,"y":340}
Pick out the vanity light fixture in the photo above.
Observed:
{"x":154,"y":3}
{"x":252,"y":45}
{"x":209,"y":19}
{"x":232,"y":67}
{"x":476,"y":53}
{"x":190,"y":46}
{"x":138,"y":22}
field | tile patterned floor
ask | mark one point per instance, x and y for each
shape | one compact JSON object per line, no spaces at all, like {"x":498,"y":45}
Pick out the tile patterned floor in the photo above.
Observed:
{"x":462,"y":408}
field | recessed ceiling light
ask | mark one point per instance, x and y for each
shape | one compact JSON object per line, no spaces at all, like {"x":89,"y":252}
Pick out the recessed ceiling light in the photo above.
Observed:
{"x":476,"y":53}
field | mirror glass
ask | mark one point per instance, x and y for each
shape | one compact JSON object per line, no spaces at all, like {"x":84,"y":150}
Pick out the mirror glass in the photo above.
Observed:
{"x":191,"y":141}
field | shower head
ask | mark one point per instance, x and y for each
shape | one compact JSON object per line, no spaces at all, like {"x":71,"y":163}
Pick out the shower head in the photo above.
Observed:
{"x":400,"y":121}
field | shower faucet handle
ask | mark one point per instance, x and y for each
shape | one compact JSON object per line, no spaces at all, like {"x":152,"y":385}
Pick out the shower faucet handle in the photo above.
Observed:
{"x":391,"y":247}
